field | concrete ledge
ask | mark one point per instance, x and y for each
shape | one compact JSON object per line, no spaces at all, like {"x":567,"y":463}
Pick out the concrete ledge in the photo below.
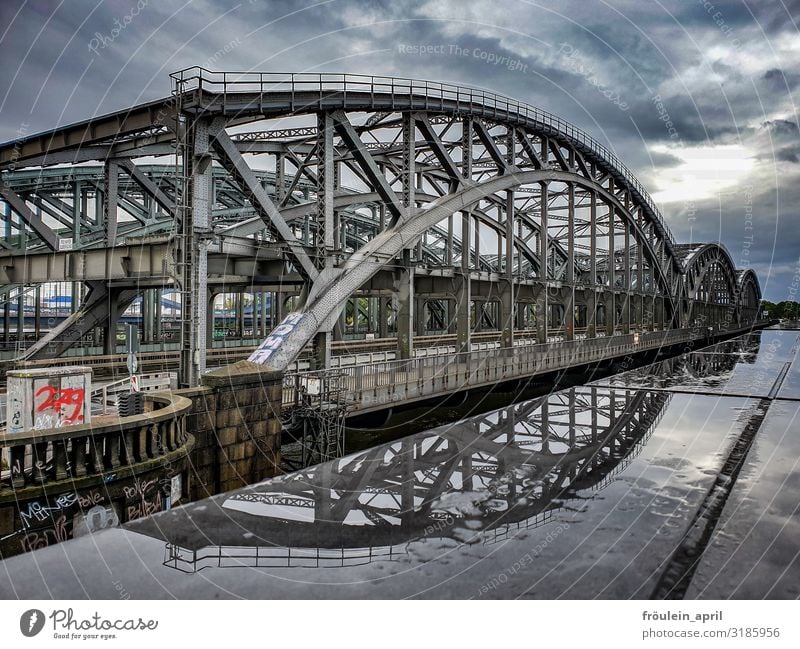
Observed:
{"x":241,"y":373}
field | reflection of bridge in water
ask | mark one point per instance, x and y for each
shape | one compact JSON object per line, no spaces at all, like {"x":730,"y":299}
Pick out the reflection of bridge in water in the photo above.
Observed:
{"x":712,"y":369}
{"x":472,"y":481}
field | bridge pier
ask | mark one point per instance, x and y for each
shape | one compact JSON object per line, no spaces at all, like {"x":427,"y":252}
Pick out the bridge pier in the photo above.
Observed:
{"x":235,"y":420}
{"x":404,"y":307}
{"x":322,"y":350}
{"x":463,"y":326}
{"x":110,"y":325}
{"x":591,"y":312}
{"x":507,"y":314}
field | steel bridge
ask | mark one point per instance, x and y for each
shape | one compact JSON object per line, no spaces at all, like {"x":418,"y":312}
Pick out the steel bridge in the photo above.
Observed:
{"x":349,"y":206}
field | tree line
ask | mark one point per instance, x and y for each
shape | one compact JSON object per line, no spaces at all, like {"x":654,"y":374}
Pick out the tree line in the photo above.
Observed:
{"x":786,"y":309}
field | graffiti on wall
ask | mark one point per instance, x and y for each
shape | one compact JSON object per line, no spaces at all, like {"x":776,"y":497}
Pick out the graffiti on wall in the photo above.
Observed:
{"x":54,"y":407}
{"x":36,"y":512}
{"x":40,"y":402}
{"x":44,"y":537}
{"x":272,"y":342}
{"x":144,"y":507}
{"x":99,"y":517}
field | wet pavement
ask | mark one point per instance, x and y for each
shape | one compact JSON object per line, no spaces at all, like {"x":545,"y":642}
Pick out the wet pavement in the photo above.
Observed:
{"x":583,"y":493}
{"x":755,"y":551}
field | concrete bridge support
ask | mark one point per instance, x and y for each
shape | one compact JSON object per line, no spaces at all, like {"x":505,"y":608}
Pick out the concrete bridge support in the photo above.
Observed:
{"x":404,"y":307}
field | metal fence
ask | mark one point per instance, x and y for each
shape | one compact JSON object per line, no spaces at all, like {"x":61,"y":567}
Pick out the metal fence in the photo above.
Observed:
{"x":376,"y":384}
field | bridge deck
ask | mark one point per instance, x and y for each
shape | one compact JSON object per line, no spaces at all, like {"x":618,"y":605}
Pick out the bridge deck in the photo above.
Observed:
{"x":375,"y":386}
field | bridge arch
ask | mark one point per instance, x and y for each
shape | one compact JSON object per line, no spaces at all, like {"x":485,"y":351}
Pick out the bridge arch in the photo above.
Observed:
{"x":711,"y":286}
{"x":749,"y":298}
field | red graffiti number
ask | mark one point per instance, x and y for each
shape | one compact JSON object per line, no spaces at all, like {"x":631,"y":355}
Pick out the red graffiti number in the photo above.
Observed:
{"x":56,"y":398}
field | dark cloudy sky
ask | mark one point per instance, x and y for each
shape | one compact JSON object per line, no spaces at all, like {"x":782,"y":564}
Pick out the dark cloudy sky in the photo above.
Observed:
{"x":726,"y":73}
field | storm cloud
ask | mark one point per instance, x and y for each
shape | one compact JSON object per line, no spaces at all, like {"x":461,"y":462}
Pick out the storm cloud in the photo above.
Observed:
{"x":673,"y":87}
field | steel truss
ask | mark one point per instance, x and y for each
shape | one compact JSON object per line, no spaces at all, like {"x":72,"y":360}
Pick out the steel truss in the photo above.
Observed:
{"x":452,"y":205}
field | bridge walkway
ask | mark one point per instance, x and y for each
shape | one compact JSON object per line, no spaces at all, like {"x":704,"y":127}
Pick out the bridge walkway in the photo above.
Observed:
{"x":376,"y":386}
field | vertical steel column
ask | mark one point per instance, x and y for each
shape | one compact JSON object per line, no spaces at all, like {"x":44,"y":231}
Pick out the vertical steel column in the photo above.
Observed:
{"x":194,"y":225}
{"x":591,"y":307}
{"x":405,"y":308}
{"x":477,"y":244}
{"x":325,"y":189}
{"x":110,"y":200}
{"x":209,"y":339}
{"x":611,"y":305}
{"x":279,"y":306}
{"x":239,"y":302}
{"x":326,"y":228}
{"x":280,"y":178}
{"x":7,"y":304}
{"x":406,"y":316}
{"x":420,"y":315}
{"x":110,"y":326}
{"x":569,"y":308}
{"x":640,"y":273}
{"x":37,"y":312}
{"x":80,"y":211}
{"x":409,"y":166}
{"x":20,"y":318}
{"x":508,"y":297}
{"x":263,"y":322}
{"x":463,"y":327}
{"x":448,"y":253}
{"x":77,"y":212}
{"x":383,"y":324}
{"x":626,"y":269}
{"x":147,"y":316}
{"x":7,"y":216}
{"x":158,"y":331}
{"x":541,"y":299}
{"x":7,"y":318}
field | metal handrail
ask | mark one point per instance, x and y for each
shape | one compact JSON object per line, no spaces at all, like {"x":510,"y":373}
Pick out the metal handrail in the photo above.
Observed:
{"x":197,"y":78}
{"x":393,"y":375}
{"x":421,"y":373}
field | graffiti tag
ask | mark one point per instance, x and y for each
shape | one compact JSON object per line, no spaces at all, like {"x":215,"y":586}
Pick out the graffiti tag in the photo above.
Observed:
{"x":37,"y":512}
{"x":58,"y":401}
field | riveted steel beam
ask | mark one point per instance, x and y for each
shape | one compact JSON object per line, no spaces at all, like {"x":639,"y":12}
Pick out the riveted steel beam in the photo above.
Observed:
{"x":374,"y":174}
{"x":29,"y":217}
{"x":144,"y":181}
{"x":246,"y":180}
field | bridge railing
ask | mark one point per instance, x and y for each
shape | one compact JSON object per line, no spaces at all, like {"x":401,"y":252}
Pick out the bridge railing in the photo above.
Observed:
{"x":39,"y":457}
{"x":375,"y":384}
{"x":465,"y":98}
